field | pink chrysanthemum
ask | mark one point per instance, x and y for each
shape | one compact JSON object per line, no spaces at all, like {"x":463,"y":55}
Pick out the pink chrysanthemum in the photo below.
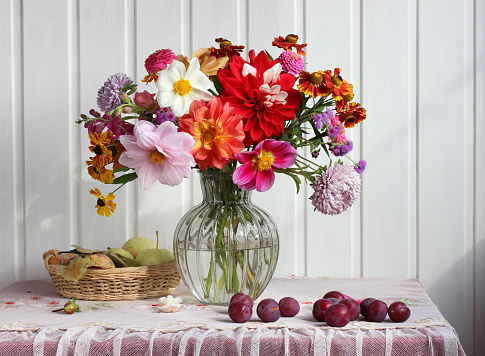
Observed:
{"x":336,"y":189}
{"x":159,"y":60}
{"x":291,"y":62}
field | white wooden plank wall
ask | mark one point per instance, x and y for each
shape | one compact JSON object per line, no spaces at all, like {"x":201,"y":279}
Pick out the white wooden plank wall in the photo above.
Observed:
{"x":418,"y":72}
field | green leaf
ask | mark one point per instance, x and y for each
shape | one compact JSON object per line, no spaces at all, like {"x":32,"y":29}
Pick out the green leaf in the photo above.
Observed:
{"x":217,"y":84}
{"x":269,"y":55}
{"x":121,"y":169}
{"x":125,"y":178}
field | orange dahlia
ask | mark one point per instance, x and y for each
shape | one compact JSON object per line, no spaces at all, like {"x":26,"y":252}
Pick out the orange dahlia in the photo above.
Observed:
{"x":218,"y":132}
{"x":313,"y":84}
{"x":352,"y":114}
{"x":341,"y":91}
{"x":288,"y":43}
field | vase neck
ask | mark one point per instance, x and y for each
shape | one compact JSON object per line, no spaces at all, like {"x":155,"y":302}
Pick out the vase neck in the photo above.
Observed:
{"x":218,"y":187}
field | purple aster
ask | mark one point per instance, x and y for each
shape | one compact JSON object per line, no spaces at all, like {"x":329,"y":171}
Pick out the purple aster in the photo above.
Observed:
{"x":109,"y":95}
{"x":343,"y":149}
{"x":336,"y":189}
{"x":327,"y":117}
{"x":335,"y":131}
{"x":165,"y":115}
{"x":317,"y":119}
{"x":360,"y":167}
{"x":291,"y":62}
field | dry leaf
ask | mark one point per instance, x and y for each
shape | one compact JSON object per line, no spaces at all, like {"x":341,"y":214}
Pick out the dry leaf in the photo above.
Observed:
{"x":76,"y":268}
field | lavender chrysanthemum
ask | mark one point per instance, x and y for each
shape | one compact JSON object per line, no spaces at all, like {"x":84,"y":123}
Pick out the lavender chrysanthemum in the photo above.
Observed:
{"x":360,"y":167}
{"x":336,"y":189}
{"x":109,"y":95}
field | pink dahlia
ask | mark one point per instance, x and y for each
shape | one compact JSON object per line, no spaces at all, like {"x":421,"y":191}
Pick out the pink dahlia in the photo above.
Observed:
{"x":336,"y":189}
{"x":257,"y":170}
{"x":159,"y":60}
{"x":291,"y":62}
{"x":158,"y":153}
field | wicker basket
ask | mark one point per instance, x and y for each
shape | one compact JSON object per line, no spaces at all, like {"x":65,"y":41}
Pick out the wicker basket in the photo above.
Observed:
{"x":126,"y":283}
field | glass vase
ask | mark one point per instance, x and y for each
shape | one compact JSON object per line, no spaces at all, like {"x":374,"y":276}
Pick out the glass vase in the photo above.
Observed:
{"x":226,"y":244}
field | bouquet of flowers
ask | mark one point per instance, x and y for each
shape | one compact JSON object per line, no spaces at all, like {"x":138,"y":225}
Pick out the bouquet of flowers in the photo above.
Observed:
{"x":217,"y":111}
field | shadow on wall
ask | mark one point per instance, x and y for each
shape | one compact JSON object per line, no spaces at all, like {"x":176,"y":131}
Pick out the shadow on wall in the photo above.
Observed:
{"x":455,"y":301}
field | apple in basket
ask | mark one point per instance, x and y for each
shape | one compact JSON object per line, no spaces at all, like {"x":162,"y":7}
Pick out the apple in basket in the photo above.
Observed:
{"x":154,"y":256}
{"x":137,"y":244}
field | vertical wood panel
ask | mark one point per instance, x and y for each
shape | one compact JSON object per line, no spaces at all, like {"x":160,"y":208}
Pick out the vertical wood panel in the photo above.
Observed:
{"x":161,"y":207}
{"x":389,"y":203}
{"x":445,"y":164}
{"x":46,"y":130}
{"x":281,"y":201}
{"x":102,"y":53}
{"x":11,"y":178}
{"x":334,"y":241}
{"x":479,"y":252}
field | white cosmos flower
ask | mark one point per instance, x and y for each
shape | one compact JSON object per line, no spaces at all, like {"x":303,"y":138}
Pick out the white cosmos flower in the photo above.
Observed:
{"x":179,"y":87}
{"x":170,"y":304}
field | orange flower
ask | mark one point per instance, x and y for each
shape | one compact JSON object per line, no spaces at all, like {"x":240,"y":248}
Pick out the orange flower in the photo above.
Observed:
{"x":342,"y":91}
{"x":105,"y":206}
{"x":99,"y":147}
{"x":102,"y":174}
{"x":209,"y":65}
{"x":116,"y":151}
{"x":227,"y":49}
{"x":218,"y":132}
{"x":313,"y":84}
{"x":288,"y":43}
{"x":352,"y":115}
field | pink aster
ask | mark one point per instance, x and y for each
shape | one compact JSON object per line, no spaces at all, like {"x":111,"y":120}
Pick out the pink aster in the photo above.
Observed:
{"x":336,"y":189}
{"x":158,"y":153}
{"x":257,"y":170}
{"x":159,"y":60}
{"x":291,"y":62}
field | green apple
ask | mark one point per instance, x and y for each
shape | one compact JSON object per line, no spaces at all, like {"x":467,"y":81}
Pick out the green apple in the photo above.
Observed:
{"x":137,"y":244}
{"x":154,"y":256}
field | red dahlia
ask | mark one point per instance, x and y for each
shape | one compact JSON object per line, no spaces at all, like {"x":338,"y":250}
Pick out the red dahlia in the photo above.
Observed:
{"x":261,"y":93}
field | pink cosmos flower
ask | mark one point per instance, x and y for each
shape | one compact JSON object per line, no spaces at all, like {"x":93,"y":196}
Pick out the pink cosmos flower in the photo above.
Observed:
{"x":159,"y":60}
{"x":336,"y":189}
{"x":257,"y":166}
{"x":158,"y":153}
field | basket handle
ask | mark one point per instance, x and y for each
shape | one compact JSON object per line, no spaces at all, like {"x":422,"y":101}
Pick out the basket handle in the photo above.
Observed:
{"x":49,"y":253}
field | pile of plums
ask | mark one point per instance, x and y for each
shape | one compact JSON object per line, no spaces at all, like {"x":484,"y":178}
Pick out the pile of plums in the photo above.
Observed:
{"x":241,"y":308}
{"x":334,"y":309}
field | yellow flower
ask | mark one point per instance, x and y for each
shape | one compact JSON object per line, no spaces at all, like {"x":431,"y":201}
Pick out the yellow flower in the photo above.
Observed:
{"x":105,"y":206}
{"x":100,"y":173}
{"x":99,"y":147}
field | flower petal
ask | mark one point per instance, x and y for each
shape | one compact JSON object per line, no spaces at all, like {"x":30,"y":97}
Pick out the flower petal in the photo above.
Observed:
{"x":264,"y":180}
{"x":244,"y":174}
